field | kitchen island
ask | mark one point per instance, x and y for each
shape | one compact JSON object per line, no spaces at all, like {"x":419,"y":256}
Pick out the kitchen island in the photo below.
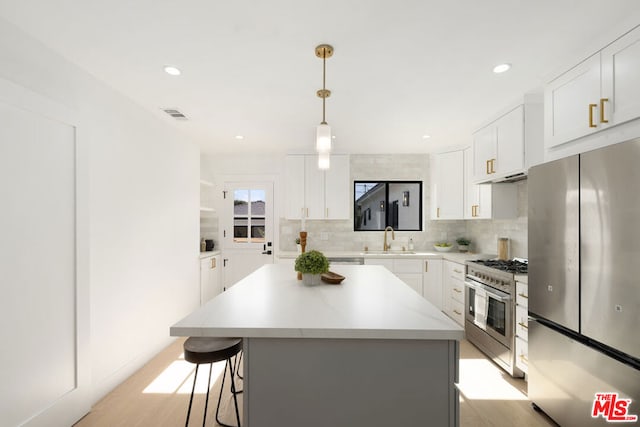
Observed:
{"x":368,"y":352}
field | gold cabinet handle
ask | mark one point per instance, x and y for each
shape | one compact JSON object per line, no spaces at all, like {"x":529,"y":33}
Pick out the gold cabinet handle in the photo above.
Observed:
{"x":487,"y":167}
{"x":455,"y":270}
{"x":213,"y":263}
{"x":524,"y":358}
{"x":426,"y":266}
{"x":327,"y":213}
{"x":457,"y":312}
{"x":523,"y":295}
{"x":493,"y":164}
{"x":602,"y":101}
{"x":307,"y":212}
{"x":437,"y":212}
{"x":523,"y":325}
{"x":591,"y":107}
{"x":457,"y":290}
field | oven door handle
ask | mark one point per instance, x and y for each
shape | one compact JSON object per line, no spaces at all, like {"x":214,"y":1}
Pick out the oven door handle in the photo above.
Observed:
{"x":494,"y":293}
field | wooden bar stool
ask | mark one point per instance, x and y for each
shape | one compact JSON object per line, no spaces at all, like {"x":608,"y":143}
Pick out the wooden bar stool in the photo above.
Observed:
{"x":203,"y":350}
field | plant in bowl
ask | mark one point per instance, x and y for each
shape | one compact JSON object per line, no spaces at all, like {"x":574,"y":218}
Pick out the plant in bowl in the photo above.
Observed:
{"x":463,"y":244}
{"x":443,"y":246}
{"x":311,"y":264}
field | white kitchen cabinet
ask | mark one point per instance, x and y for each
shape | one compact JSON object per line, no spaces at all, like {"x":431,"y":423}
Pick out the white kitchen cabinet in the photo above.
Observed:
{"x":569,"y":103}
{"x":294,"y":184}
{"x":316,"y":194}
{"x":488,"y":201}
{"x":337,"y":188}
{"x":314,"y":189}
{"x":447,"y":185}
{"x":522,"y":326}
{"x":432,"y":282}
{"x":499,"y":147}
{"x":453,"y":284}
{"x":209,"y":278}
{"x":206,"y":196}
{"x":600,"y":92}
{"x":407,"y":270}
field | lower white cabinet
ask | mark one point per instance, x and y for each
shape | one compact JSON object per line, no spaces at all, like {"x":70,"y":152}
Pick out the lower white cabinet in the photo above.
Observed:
{"x":209,"y":278}
{"x":522,"y":326}
{"x":453,"y":284}
{"x":432,"y":282}
{"x":407,"y":270}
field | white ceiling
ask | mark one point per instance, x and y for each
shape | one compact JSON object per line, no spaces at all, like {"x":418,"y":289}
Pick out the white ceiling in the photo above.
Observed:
{"x":401,"y":68}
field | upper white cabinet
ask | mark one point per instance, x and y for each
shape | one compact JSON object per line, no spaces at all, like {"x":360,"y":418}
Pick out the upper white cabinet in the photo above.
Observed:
{"x":505,"y":148}
{"x":487,"y":201}
{"x":337,"y":189}
{"x":315,"y":194}
{"x":499,"y":147}
{"x":447,"y":185}
{"x":206,"y":196}
{"x":600,"y":92}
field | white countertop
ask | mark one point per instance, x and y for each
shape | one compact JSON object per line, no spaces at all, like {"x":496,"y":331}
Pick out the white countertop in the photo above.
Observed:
{"x":460,"y":257}
{"x":371,"y":303}
{"x":209,"y":254}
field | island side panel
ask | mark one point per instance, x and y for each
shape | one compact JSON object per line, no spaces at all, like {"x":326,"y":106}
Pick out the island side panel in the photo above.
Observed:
{"x":344,"y":383}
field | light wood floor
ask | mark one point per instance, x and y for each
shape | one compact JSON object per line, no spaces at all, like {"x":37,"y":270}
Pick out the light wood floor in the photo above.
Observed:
{"x":158,"y":395}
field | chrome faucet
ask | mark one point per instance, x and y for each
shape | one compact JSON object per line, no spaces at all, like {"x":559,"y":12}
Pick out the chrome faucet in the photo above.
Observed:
{"x":386,"y":247}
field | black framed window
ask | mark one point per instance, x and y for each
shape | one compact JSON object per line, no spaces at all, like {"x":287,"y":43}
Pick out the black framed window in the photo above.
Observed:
{"x":378,"y":204}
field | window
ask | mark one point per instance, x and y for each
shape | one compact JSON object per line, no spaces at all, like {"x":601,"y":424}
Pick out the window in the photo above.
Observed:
{"x":378,"y":204}
{"x":249,"y":216}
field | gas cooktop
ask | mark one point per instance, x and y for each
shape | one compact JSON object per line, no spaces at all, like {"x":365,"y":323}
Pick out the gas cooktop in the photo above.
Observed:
{"x":510,"y":266}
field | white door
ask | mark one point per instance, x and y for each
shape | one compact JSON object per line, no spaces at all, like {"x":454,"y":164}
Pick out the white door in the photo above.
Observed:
{"x":44,"y":308}
{"x":247,"y":235}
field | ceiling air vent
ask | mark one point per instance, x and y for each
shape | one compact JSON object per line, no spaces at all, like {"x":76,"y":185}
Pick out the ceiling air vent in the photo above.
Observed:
{"x":175,"y":113}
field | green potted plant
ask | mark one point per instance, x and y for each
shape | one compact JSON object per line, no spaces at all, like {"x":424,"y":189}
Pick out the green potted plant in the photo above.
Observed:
{"x":463,"y":244}
{"x":311,"y":264}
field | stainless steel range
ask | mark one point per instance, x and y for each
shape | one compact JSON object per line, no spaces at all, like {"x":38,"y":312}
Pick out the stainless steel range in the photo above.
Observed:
{"x":490,"y":290}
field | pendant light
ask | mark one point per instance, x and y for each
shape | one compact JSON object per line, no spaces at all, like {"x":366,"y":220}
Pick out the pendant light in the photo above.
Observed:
{"x":323,"y":131}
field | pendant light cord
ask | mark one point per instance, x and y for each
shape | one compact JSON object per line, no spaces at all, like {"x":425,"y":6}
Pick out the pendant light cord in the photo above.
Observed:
{"x":324,"y":77}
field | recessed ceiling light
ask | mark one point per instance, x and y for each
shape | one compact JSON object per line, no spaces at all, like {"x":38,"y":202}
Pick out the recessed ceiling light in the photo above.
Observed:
{"x":426,"y":136}
{"x":171,"y":70}
{"x":333,"y":137}
{"x":239,"y":137}
{"x":501,"y":68}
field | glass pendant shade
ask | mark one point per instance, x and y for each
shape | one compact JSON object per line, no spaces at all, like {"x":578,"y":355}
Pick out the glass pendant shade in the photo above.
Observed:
{"x":323,"y":138}
{"x":324,"y":161}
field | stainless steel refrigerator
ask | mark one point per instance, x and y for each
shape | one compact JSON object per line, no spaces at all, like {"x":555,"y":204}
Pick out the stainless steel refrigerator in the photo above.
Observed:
{"x":584,"y":287}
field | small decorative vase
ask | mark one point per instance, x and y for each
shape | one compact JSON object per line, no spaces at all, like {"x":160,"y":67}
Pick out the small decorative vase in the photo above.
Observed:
{"x":310,"y":279}
{"x":463,"y":248}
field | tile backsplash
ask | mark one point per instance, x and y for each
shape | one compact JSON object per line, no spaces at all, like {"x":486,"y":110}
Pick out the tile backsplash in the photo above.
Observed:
{"x":339,"y":235}
{"x":484,"y":233}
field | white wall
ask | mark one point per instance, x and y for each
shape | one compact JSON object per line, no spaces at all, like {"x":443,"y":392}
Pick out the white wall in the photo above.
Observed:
{"x":144,"y":198}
